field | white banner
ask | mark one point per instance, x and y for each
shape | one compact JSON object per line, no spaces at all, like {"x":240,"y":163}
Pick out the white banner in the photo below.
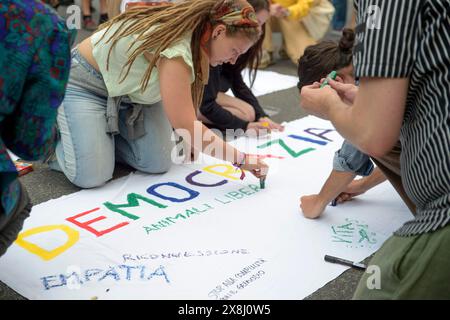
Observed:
{"x":198,"y":232}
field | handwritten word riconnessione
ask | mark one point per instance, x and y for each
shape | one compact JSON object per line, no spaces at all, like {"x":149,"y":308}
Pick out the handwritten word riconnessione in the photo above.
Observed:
{"x":182,"y":255}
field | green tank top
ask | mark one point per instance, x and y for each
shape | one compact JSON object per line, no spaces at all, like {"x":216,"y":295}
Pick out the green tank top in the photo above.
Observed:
{"x":131,"y":86}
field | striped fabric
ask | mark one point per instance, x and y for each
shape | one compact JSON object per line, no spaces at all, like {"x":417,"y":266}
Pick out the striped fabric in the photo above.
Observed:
{"x":411,"y":39}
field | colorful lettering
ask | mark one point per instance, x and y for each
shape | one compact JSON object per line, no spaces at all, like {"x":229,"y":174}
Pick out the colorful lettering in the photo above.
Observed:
{"x":322,"y":143}
{"x":321,"y":135}
{"x":133,"y":201}
{"x":229,"y":173}
{"x":190,"y":180}
{"x":285,"y":147}
{"x":192,"y":193}
{"x":86,"y":225}
{"x":72,"y":238}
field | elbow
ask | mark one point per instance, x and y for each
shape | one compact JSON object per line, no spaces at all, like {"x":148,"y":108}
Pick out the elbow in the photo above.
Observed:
{"x":376,"y":151}
{"x":377,"y":146}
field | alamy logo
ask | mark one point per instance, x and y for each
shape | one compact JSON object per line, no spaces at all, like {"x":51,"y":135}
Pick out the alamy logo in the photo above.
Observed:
{"x":373,"y":14}
{"x":73,"y":20}
{"x":72,"y":278}
{"x":374,"y":281}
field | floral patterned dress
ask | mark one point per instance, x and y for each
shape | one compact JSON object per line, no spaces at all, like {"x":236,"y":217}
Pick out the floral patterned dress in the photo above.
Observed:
{"x":34,"y":68}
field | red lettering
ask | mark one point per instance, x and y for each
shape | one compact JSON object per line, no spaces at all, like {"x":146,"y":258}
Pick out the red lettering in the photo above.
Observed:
{"x":86,"y":225}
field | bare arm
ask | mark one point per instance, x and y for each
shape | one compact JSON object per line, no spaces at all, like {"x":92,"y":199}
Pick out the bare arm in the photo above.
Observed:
{"x":177,"y":102}
{"x":360,"y":186}
{"x":373,"y":121}
{"x":175,"y":87}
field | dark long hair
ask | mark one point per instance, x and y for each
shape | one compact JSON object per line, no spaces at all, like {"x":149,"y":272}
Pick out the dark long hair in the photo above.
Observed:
{"x":252,"y":57}
{"x":322,"y":58}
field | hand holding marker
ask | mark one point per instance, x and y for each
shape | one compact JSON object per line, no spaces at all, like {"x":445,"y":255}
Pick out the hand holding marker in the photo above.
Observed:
{"x":329,"y":258}
{"x":262,"y":182}
{"x":239,"y":164}
{"x":332,"y":75}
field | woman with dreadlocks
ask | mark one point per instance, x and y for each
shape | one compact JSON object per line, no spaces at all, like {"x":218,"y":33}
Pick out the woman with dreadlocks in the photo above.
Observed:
{"x":143,"y":74}
{"x":243,"y":111}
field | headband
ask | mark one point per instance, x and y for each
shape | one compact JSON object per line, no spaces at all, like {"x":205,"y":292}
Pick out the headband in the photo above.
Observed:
{"x":237,"y":13}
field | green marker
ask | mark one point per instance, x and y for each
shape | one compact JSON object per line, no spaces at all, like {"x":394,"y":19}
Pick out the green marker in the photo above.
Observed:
{"x":332,"y":75}
{"x":262,"y":182}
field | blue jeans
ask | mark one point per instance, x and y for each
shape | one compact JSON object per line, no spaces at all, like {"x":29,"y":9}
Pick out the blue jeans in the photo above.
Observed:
{"x":350,"y":159}
{"x":85,"y":152}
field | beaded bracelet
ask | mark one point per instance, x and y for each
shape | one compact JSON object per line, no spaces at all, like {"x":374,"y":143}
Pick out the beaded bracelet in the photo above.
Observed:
{"x":239,"y":164}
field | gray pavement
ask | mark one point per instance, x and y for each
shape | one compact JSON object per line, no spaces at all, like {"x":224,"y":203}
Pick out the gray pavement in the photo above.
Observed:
{"x":44,"y":184}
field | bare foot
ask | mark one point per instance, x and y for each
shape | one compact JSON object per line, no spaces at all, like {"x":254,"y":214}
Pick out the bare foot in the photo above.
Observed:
{"x":312,"y":206}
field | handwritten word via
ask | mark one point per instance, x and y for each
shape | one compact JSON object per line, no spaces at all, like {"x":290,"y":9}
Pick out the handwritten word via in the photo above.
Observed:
{"x":353,"y":234}
{"x":295,"y":154}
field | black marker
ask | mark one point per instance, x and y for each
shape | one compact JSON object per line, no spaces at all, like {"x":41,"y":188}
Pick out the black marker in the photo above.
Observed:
{"x":344,"y":262}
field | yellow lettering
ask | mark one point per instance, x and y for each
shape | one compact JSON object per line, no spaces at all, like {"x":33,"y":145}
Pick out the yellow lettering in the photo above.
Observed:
{"x":230,"y":172}
{"x":72,"y":238}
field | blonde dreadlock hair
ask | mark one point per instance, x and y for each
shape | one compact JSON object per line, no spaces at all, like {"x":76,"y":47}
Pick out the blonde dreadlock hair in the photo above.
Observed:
{"x":173,"y":21}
